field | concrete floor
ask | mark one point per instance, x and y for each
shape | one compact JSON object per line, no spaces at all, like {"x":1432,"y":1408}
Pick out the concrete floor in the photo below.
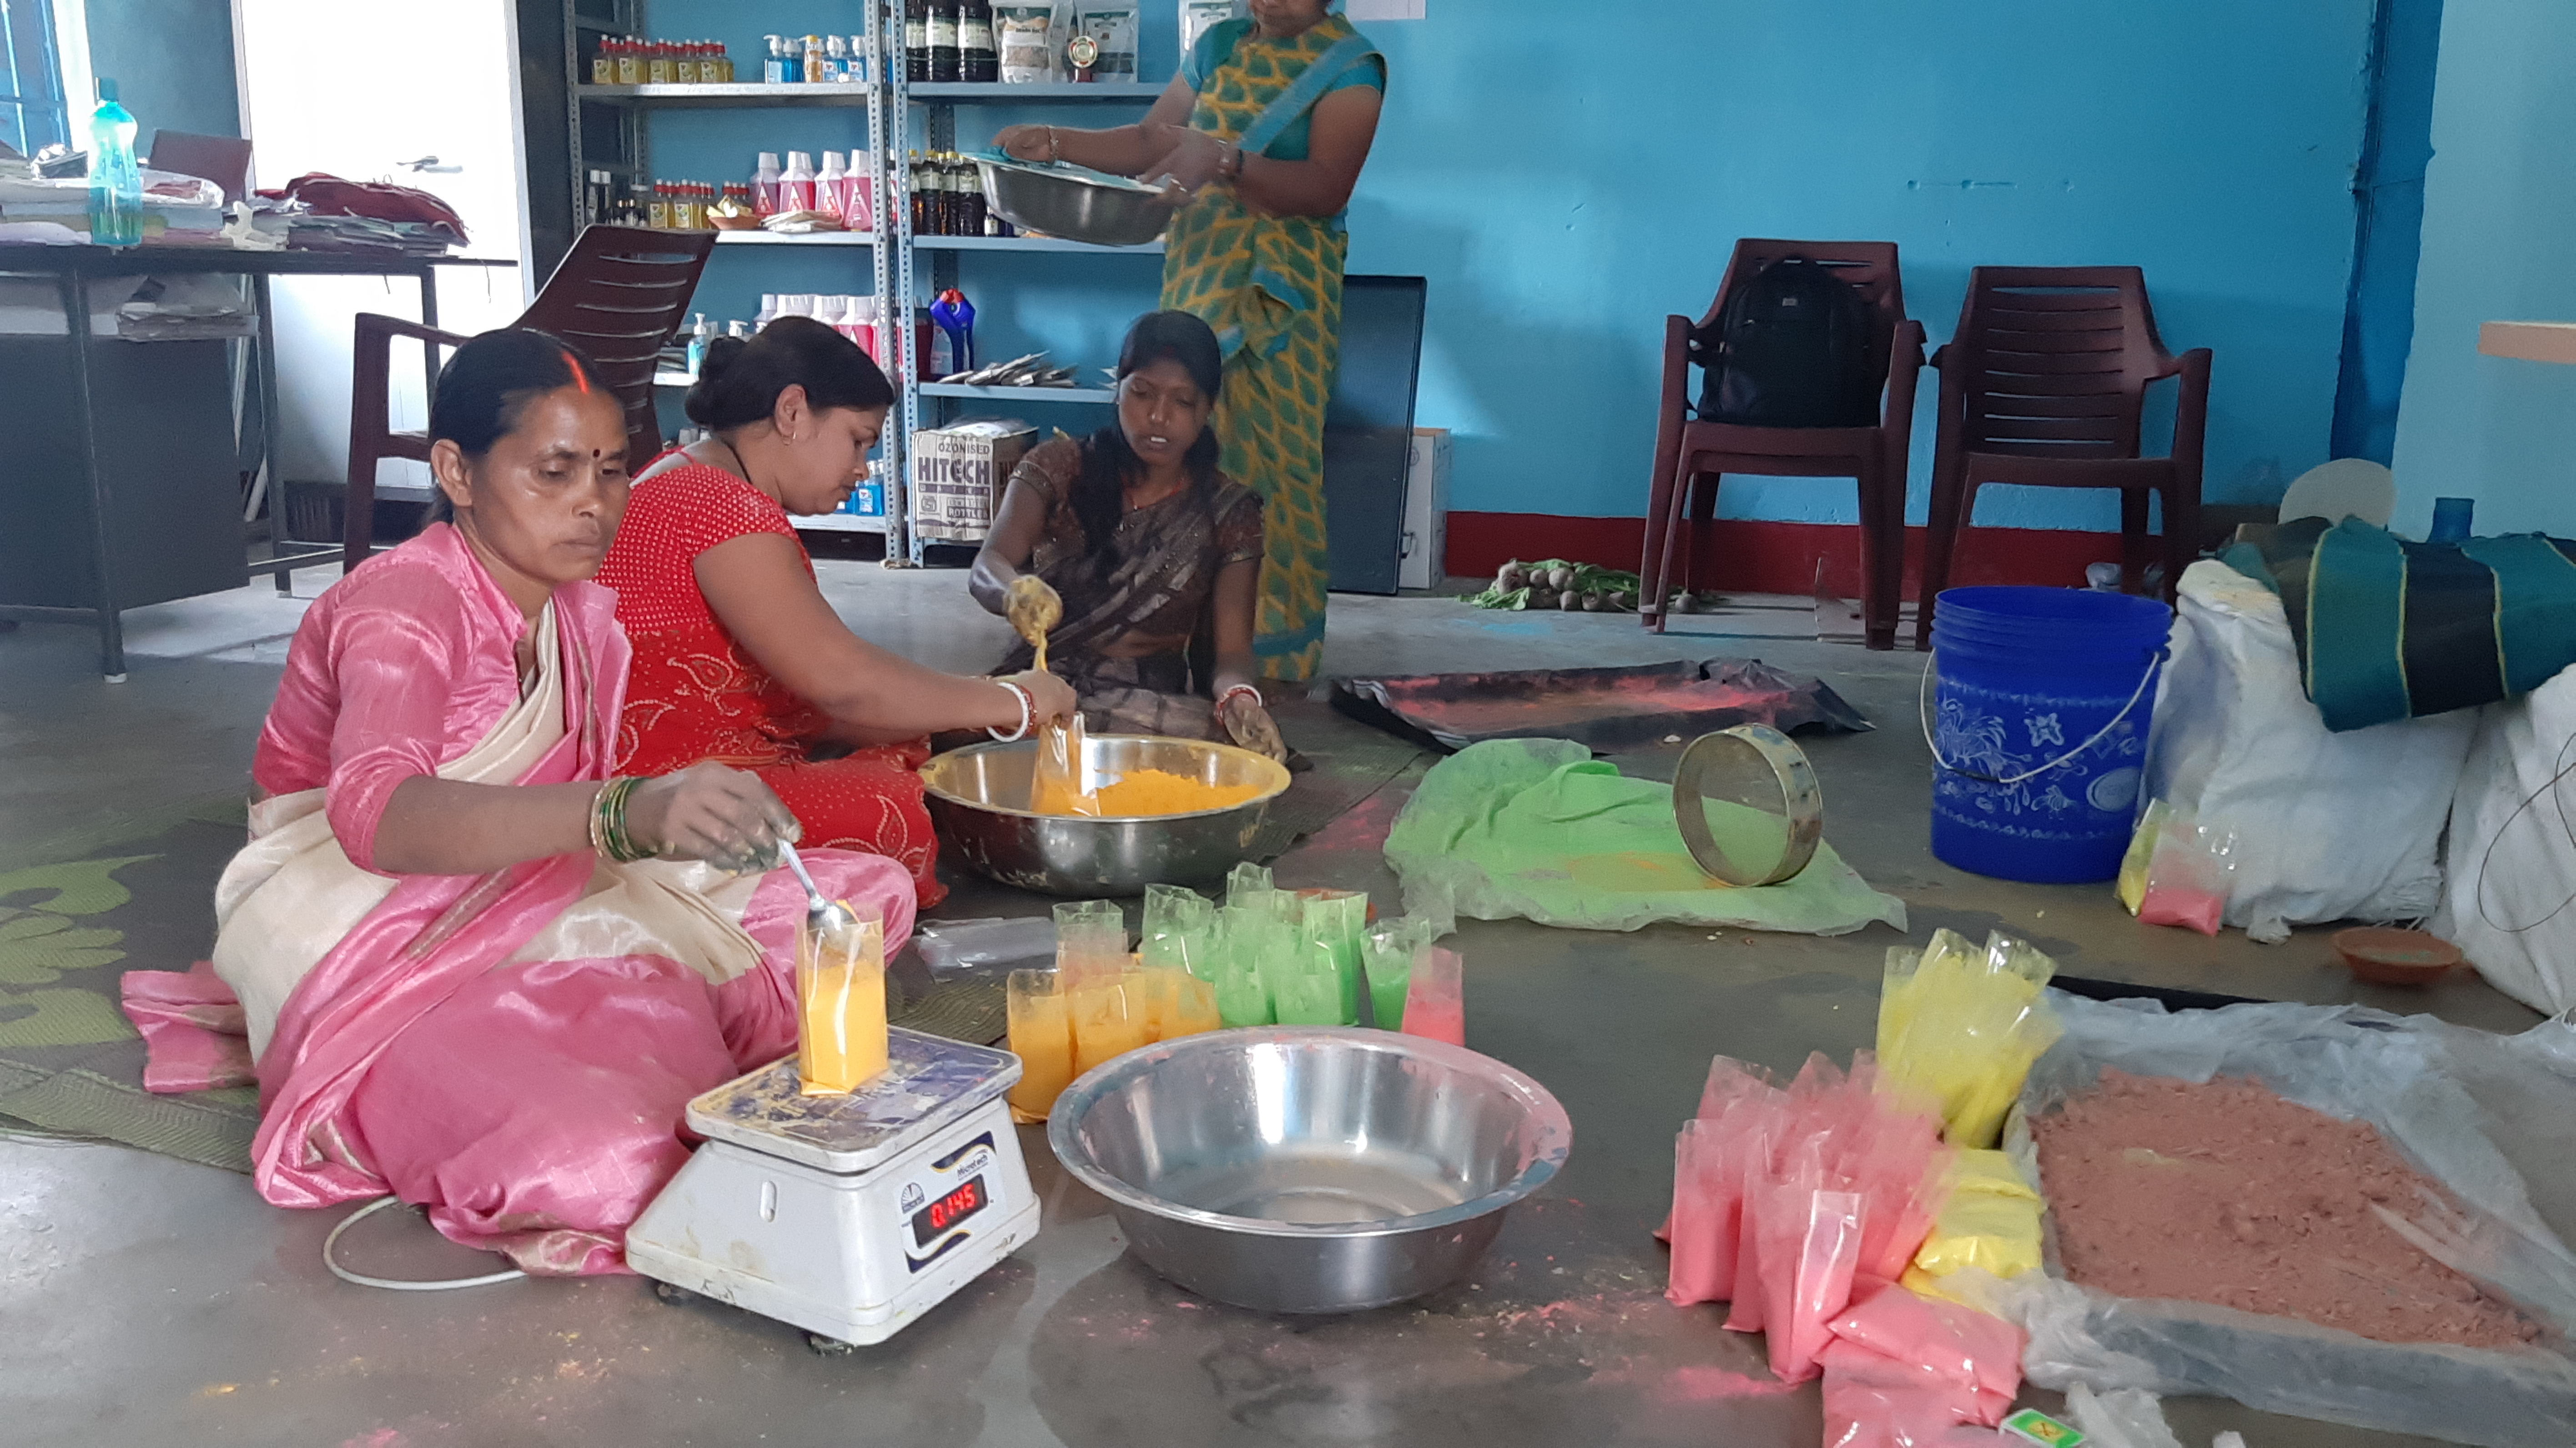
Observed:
{"x":147,"y":1300}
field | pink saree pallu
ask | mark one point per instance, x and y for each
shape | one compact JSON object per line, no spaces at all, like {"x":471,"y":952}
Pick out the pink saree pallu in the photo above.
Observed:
{"x":512,"y":1050}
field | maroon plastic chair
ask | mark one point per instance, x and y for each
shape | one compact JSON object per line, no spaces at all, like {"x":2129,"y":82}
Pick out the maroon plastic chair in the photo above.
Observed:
{"x":619,"y":295}
{"x":1691,"y":454}
{"x":2043,"y":385}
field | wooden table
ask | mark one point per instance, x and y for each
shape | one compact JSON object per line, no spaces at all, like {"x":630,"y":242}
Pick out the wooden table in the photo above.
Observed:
{"x":74,"y":268}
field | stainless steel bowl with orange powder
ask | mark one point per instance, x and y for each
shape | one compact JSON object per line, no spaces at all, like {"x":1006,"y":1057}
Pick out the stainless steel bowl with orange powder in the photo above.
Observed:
{"x":1172,"y":811}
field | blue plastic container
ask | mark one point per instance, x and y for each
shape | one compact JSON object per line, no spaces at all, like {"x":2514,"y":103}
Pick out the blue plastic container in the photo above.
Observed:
{"x":2038,"y":720}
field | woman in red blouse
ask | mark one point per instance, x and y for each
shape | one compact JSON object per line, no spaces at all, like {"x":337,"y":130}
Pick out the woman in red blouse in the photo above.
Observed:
{"x":738,"y":658}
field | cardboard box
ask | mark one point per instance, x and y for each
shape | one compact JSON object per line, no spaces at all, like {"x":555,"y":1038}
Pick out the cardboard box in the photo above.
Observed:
{"x":1426,"y":511}
{"x":958,"y":473}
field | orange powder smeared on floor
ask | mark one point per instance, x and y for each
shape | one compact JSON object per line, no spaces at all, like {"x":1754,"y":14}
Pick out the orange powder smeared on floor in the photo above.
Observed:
{"x":1160,"y":792}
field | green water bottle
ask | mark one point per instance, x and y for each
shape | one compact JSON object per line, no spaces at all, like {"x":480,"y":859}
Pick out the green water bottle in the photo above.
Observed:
{"x":115,"y":182}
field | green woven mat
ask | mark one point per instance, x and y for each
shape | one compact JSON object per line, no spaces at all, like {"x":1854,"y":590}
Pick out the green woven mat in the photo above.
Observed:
{"x":70,"y":1064}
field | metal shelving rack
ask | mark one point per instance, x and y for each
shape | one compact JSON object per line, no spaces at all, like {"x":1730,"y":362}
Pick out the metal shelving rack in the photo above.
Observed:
{"x":894,"y":251}
{"x":629,"y":109}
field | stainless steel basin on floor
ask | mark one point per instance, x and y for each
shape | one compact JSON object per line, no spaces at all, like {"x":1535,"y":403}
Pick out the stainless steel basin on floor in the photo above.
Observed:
{"x":1306,"y":1169}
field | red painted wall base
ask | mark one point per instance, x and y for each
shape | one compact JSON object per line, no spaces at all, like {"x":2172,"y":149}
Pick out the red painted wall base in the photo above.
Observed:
{"x":1738,"y":556}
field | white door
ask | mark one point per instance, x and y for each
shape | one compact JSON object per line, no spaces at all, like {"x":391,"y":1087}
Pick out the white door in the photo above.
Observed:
{"x":357,"y":91}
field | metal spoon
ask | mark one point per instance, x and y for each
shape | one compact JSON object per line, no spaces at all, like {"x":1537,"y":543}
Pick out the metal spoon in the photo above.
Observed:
{"x":822,"y":916}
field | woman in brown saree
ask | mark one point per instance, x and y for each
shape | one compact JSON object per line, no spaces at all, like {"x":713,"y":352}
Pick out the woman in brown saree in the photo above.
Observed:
{"x":1149,"y":556}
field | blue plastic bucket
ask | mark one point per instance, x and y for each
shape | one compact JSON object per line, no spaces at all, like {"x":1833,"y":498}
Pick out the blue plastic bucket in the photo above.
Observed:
{"x":2037,"y":716}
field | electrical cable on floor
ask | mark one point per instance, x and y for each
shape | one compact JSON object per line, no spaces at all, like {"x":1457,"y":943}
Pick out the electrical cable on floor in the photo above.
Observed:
{"x":397,"y":1284}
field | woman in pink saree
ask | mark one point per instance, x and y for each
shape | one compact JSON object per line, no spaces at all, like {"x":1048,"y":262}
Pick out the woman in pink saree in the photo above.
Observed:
{"x":472,"y":970}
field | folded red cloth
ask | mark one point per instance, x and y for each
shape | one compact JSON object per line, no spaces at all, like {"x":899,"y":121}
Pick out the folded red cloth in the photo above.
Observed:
{"x":329,"y":195}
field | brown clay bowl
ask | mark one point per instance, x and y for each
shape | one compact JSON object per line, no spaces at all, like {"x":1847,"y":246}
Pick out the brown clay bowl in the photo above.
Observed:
{"x":2386,"y":956}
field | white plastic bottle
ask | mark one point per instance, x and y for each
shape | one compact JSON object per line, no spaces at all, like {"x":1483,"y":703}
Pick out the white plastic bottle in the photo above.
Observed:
{"x":858,"y":195}
{"x":768,"y":311}
{"x":831,"y":186}
{"x":764,"y":185}
{"x":796,"y":183}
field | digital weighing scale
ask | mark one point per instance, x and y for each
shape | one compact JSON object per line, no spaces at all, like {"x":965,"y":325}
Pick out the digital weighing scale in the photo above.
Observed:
{"x":848,"y":1216}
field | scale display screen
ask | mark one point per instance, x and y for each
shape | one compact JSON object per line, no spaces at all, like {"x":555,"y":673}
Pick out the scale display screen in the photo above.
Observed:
{"x":935,"y":1220}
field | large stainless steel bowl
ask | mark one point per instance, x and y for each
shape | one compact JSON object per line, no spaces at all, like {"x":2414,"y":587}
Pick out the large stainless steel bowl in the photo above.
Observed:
{"x":1074,"y":203}
{"x":979,"y":799}
{"x":1307,"y":1169}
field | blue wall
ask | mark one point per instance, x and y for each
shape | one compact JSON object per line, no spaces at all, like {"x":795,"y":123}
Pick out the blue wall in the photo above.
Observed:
{"x":2499,"y":216}
{"x":2379,"y":327}
{"x":1565,"y":176}
{"x":172,"y":61}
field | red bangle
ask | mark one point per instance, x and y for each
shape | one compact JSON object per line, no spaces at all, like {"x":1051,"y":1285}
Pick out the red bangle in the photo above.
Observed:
{"x":1229,"y":694}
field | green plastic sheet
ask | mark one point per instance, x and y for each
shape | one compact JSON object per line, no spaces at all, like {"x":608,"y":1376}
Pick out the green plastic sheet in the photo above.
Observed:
{"x":1536,"y":829}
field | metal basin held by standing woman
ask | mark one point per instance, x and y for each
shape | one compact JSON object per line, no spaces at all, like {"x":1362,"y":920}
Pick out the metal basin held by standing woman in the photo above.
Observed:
{"x":979,"y":799}
{"x":1074,"y":202}
{"x":1309,"y":1169}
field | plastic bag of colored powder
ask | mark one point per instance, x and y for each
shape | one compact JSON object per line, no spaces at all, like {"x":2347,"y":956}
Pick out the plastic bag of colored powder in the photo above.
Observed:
{"x":1708,"y":1207}
{"x":1990,"y":1221}
{"x":2132,"y":888}
{"x":1808,"y":1243}
{"x":2187,"y":883}
{"x":1942,"y":1343}
{"x":1961,"y":1026}
{"x":1871,"y":1402}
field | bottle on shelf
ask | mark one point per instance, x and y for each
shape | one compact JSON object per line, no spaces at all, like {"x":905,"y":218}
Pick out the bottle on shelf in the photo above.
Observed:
{"x":603,"y":63}
{"x":836,"y":60}
{"x":969,"y":187}
{"x":858,"y":201}
{"x":764,"y":186}
{"x":916,"y":40}
{"x":768,"y":311}
{"x":684,"y":63}
{"x":724,"y":62}
{"x":699,"y":338}
{"x":977,"y":59}
{"x":831,"y":189}
{"x":943,"y":40}
{"x":916,"y":190}
{"x":738,"y":328}
{"x":796,"y":183}
{"x":773,"y":69}
{"x":818,"y":61}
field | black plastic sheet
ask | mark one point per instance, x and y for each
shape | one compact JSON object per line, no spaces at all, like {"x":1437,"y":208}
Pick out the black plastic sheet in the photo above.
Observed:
{"x":1609,"y":709}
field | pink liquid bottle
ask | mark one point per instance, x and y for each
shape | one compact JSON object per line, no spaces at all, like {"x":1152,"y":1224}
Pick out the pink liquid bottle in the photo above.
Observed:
{"x":796,"y":183}
{"x":764,"y":186}
{"x":831,"y":187}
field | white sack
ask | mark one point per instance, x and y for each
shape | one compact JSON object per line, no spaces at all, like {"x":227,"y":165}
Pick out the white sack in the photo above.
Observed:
{"x":2508,"y":904}
{"x":2328,"y":826}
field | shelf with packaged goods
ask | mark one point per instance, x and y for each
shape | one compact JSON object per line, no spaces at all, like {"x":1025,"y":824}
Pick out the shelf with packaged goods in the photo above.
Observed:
{"x":960,"y":92}
{"x":809,"y":238}
{"x":1092,"y":395}
{"x":829,"y":93}
{"x":1029,"y":243}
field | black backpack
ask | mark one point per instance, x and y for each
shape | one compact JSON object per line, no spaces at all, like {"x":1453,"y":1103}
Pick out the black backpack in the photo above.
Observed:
{"x":1791,"y":349}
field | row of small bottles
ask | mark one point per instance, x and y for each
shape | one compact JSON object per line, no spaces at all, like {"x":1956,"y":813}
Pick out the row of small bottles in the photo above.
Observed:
{"x":664,"y":205}
{"x":945,"y":40}
{"x":947,"y":193}
{"x":815,"y":60}
{"x":632,"y":60}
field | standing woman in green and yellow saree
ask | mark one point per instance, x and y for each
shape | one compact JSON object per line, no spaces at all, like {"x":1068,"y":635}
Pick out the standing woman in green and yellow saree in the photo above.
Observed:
{"x":1266,"y":129}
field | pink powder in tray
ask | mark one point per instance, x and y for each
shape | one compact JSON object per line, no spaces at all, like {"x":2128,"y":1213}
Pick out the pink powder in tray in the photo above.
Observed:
{"x":2224,"y":1193}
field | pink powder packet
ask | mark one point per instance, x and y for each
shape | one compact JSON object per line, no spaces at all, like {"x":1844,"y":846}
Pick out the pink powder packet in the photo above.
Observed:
{"x":1809,"y":1241}
{"x":1707,"y":1207}
{"x":1872,"y":1403}
{"x":1435,"y":1004}
{"x":2189,"y":878}
{"x":1938,"y":1342}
